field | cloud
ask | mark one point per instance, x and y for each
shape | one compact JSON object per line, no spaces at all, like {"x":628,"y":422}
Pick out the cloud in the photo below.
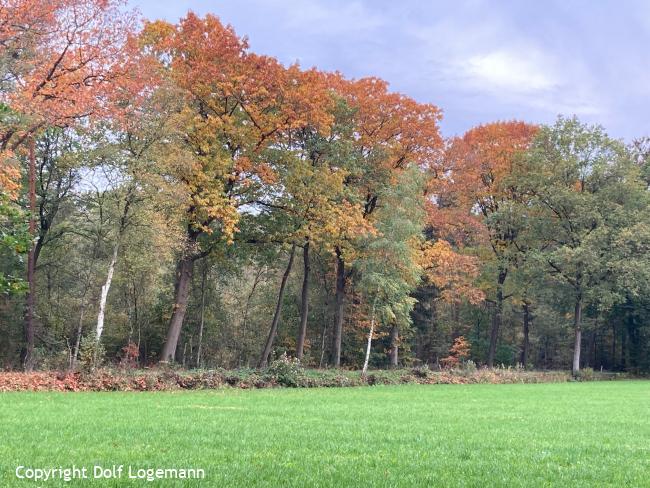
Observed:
{"x":503,"y":70}
{"x":478,"y":60}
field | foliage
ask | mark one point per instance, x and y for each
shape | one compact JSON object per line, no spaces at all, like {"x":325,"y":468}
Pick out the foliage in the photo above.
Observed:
{"x":175,"y":166}
{"x":458,"y":352}
{"x":91,"y":353}
{"x":285,"y":371}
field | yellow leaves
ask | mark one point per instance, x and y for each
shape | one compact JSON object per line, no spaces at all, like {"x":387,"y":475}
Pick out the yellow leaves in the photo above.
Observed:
{"x":156,"y":34}
{"x":9,"y":175}
{"x":451,"y":272}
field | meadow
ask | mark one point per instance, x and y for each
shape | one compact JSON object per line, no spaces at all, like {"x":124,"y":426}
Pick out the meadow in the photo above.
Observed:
{"x":563,"y":434}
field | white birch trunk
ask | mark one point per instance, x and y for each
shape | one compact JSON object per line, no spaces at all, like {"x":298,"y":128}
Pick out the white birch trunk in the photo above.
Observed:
{"x":372,"y":331}
{"x":104,"y":295}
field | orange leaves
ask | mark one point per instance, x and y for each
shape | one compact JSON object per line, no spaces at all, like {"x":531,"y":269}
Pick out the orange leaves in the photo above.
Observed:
{"x":77,"y":52}
{"x":451,"y":272}
{"x":483,"y":157}
{"x":9,"y":176}
{"x":238,"y":108}
{"x":255,"y":96}
{"x":393,"y":128}
{"x":69,"y":60}
{"x":458,"y":352}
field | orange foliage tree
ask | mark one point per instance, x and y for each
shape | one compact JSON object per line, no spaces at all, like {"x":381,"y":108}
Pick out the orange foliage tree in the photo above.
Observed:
{"x":64,"y":61}
{"x":480,"y":162}
{"x":458,"y":352}
{"x":234,"y":106}
{"x":389,"y":132}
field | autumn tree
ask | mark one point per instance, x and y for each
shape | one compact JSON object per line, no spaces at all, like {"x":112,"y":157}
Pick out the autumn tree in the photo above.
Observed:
{"x":389,"y":132}
{"x":67,"y":59}
{"x":480,"y":161}
{"x":233,"y":106}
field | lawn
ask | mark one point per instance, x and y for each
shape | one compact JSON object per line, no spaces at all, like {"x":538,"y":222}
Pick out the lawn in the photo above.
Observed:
{"x":567,"y":434}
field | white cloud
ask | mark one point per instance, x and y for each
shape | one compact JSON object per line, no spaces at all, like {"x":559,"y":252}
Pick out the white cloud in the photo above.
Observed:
{"x":503,"y":70}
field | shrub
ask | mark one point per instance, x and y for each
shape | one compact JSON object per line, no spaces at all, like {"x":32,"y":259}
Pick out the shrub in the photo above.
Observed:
{"x":421,"y":371}
{"x":91,"y":353}
{"x":130,"y":355}
{"x":286,"y":371}
{"x":585,"y":374}
{"x":469,"y":366}
{"x":457,"y":353}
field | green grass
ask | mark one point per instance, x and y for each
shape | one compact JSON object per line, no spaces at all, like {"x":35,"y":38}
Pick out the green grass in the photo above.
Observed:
{"x":568,"y":434}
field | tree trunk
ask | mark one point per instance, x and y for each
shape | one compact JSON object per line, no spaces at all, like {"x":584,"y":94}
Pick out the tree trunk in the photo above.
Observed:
{"x":496,"y":318}
{"x":184,"y":271}
{"x":578,"y":336}
{"x":325,"y":322}
{"x":370,"y":333}
{"x":526,"y":346}
{"x":243,"y":337}
{"x":104,"y":295}
{"x":264,"y":358}
{"x":394,"y":346}
{"x":340,"y":308}
{"x":28,"y":355}
{"x":77,"y":343}
{"x":202,"y":317}
{"x":304,"y":303}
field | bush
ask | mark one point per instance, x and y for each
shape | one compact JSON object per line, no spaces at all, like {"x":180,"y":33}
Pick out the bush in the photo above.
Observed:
{"x":585,"y":374}
{"x":91,"y":353}
{"x":421,"y":371}
{"x":286,"y":371}
{"x":130,"y":355}
{"x":469,"y":366}
{"x":458,"y":352}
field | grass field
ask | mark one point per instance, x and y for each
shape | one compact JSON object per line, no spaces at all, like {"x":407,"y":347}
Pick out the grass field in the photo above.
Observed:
{"x":569,"y":434}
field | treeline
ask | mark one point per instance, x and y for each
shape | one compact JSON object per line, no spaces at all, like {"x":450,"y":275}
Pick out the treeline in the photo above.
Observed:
{"x":168,"y":195}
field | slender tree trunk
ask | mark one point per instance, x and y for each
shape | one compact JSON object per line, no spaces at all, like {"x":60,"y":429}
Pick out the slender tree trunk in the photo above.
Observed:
{"x":77,"y":343}
{"x":577,"y":322}
{"x":496,"y":318}
{"x":370,"y":333}
{"x":324,"y":331}
{"x":104,"y":294}
{"x":431,"y":355}
{"x":243,"y":337}
{"x":304,"y":303}
{"x":28,"y":356}
{"x":324,"y":319}
{"x":624,"y":351}
{"x":264,"y":358}
{"x":202,"y":317}
{"x":613,"y":364}
{"x":591,"y":350}
{"x":394,"y":346}
{"x":184,"y":271}
{"x":525,"y":350}
{"x":340,"y":308}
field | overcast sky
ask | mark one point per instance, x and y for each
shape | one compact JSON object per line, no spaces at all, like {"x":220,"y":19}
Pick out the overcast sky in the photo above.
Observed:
{"x":478,"y":60}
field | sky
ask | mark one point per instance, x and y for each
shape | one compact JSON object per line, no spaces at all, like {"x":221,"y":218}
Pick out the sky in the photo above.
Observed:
{"x":478,"y":60}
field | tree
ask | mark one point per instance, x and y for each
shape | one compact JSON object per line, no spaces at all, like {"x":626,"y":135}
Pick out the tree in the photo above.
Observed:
{"x":480,"y":161}
{"x":233,"y":106}
{"x":585,"y":192}
{"x":388,"y":133}
{"x":68,"y":58}
{"x":389,"y":266}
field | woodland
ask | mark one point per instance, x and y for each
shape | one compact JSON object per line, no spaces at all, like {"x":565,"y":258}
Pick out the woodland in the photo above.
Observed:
{"x":167,"y":195}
